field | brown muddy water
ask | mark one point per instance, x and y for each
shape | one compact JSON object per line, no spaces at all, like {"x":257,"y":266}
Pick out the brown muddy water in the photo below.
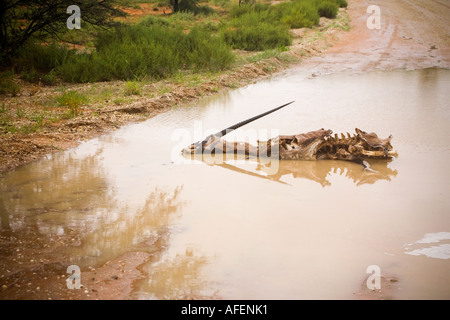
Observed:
{"x":241,"y":230}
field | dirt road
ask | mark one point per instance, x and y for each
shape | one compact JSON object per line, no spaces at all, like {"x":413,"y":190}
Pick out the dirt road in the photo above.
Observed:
{"x":413,"y":34}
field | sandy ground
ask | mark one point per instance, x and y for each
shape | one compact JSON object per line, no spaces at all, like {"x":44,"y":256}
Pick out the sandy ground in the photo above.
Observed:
{"x":413,"y":34}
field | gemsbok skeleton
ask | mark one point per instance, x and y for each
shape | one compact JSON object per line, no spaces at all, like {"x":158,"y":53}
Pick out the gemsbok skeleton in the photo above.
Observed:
{"x":314,"y":145}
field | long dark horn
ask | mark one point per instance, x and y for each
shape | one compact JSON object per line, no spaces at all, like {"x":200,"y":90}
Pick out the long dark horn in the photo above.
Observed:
{"x":243,"y":123}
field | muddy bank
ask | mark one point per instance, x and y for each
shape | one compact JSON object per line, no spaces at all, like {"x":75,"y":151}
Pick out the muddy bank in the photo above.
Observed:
{"x":101,"y":117}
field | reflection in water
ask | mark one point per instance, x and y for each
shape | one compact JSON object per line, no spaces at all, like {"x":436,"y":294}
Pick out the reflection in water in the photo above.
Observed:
{"x":70,"y":213}
{"x":176,"y":278}
{"x":73,"y":196}
{"x":36,"y":198}
{"x":317,"y":171}
{"x":145,"y":229}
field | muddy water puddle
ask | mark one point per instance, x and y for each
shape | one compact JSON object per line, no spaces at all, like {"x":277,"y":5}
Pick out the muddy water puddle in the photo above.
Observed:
{"x":240,"y":229}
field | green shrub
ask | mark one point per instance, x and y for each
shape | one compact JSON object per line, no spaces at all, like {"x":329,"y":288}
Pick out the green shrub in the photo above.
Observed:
{"x":34,"y":77}
{"x":300,"y":14}
{"x":221,"y":3}
{"x":30,"y":75}
{"x":73,"y":100}
{"x":84,"y":68}
{"x":342,"y":3}
{"x":237,"y":11}
{"x":256,"y":28}
{"x":44,"y":58}
{"x":147,"y":50}
{"x":262,"y":27}
{"x":328,"y":9}
{"x":210,"y":26}
{"x":132,"y":88}
{"x":182,"y":16}
{"x":205,"y":52}
{"x":258,"y":37}
{"x":187,"y":6}
{"x":50,"y":78}
{"x":206,"y":10}
{"x":152,"y":20}
{"x":7,"y":84}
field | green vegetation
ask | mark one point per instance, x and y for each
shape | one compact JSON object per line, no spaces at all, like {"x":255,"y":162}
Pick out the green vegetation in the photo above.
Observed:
{"x":328,"y":9}
{"x":28,"y":121}
{"x":132,"y":88}
{"x":261,"y":26}
{"x":257,"y":37}
{"x":197,"y":38}
{"x":341,"y":3}
{"x":7,"y":84}
{"x":194,"y":7}
{"x":153,"y":49}
{"x":267,"y":54}
{"x":73,"y":100}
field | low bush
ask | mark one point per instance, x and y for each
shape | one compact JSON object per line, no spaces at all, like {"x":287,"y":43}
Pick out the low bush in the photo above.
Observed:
{"x":30,"y":76}
{"x":328,"y":9}
{"x":205,"y":10}
{"x":238,"y":11}
{"x":50,"y":78}
{"x":7,"y":84}
{"x":73,"y":100}
{"x":43,"y":58}
{"x":299,"y":14}
{"x":342,"y":3}
{"x":153,"y":48}
{"x":152,"y":20}
{"x":257,"y":37}
{"x":131,"y":88}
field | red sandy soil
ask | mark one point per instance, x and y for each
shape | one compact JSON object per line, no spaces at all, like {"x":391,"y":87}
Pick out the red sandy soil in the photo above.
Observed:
{"x":414,"y":34}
